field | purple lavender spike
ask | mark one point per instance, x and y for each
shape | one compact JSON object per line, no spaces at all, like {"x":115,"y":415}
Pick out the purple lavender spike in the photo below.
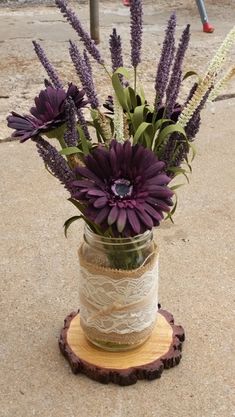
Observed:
{"x":71,"y":135}
{"x":83,"y":124}
{"x":193,"y":125}
{"x":76,"y":24}
{"x":55,"y":162}
{"x":116,"y":50}
{"x":136,"y":11}
{"x":176,"y":75}
{"x":165,"y":62}
{"x":84,"y":74}
{"x":177,"y":148}
{"x":191,"y":93}
{"x":47,"y":65}
{"x":87,"y":62}
{"x":170,"y":147}
{"x":179,"y":156}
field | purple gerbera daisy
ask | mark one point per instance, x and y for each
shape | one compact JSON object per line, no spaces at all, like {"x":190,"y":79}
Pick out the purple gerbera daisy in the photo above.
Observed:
{"x":123,"y":187}
{"x":49,"y":112}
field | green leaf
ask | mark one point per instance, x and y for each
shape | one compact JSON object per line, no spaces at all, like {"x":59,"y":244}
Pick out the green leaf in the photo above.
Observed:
{"x":142,"y":95}
{"x":94,"y":114}
{"x":70,"y":150}
{"x":69,"y":222}
{"x":193,"y":149}
{"x":170,"y":215}
{"x":127,"y":97}
{"x":148,"y":137}
{"x":188,"y":164}
{"x":133,"y":99}
{"x":119,"y":91}
{"x":159,"y":123}
{"x":123,"y":71}
{"x":190,"y":74}
{"x":174,"y":187}
{"x":84,"y":142}
{"x":157,"y":126}
{"x":177,"y":170}
{"x":108,"y":232}
{"x":95,"y":227}
{"x":77,"y":204}
{"x":48,"y":170}
{"x":141,"y":129}
{"x":57,"y":132}
{"x":138,"y":116}
{"x":97,"y":128}
{"x":165,"y":132}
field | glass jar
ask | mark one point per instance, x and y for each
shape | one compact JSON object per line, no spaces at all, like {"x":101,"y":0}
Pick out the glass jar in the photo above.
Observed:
{"x":118,"y":287}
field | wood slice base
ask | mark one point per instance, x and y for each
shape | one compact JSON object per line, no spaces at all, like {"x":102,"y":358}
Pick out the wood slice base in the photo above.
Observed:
{"x":161,"y":351}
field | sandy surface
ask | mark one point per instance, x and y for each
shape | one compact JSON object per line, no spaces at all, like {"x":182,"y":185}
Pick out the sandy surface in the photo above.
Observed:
{"x":40,"y":267}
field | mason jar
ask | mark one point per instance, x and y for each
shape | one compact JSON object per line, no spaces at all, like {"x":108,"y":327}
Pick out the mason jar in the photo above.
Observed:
{"x":118,"y":289}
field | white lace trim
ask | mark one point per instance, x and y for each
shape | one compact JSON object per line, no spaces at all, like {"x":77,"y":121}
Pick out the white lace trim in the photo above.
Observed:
{"x":122,"y":305}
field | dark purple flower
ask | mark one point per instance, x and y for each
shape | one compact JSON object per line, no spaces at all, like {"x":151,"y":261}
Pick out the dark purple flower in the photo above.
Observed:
{"x":115,"y":50}
{"x":165,"y":62}
{"x":85,"y":75}
{"x":123,"y":187}
{"x":55,"y":162}
{"x":136,"y":11}
{"x":176,"y":75}
{"x":76,"y":24}
{"x":47,"y":65}
{"x":48,"y":113}
{"x":71,"y":135}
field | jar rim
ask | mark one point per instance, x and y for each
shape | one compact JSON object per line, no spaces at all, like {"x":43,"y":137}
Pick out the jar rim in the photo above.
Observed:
{"x":115,"y":240}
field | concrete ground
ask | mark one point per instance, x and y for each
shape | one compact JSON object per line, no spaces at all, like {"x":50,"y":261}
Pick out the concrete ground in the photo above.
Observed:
{"x":40,"y":267}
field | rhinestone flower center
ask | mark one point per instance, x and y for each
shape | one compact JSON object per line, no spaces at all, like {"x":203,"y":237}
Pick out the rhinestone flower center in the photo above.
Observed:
{"x":122,"y":188}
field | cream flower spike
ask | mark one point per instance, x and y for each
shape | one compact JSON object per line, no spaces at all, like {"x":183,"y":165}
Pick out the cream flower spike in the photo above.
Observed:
{"x":207,"y":82}
{"x":118,"y":120}
{"x":221,"y":84}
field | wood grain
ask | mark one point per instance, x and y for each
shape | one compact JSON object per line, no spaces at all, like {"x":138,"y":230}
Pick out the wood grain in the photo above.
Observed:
{"x":162,"y":350}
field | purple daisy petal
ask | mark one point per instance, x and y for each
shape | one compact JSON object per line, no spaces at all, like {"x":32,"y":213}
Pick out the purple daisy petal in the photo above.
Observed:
{"x":102,"y":158}
{"x":145,"y":218}
{"x":100,"y":202}
{"x":93,"y":166}
{"x":161,"y":179}
{"x":121,"y":220}
{"x":96,"y":193}
{"x":102,"y":215}
{"x":83,"y":183}
{"x":113,"y":215}
{"x":159,"y":203}
{"x":153,"y":213}
{"x":154,"y":169}
{"x":133,"y":220}
{"x":159,"y":191}
{"x":85,"y":172}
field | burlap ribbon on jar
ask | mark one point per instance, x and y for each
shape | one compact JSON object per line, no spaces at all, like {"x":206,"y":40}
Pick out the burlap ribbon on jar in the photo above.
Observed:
{"x":118,"y":306}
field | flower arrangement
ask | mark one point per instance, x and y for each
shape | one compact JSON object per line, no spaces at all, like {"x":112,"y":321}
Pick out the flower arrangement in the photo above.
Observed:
{"x":117,"y":166}
{"x":120,"y":179}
